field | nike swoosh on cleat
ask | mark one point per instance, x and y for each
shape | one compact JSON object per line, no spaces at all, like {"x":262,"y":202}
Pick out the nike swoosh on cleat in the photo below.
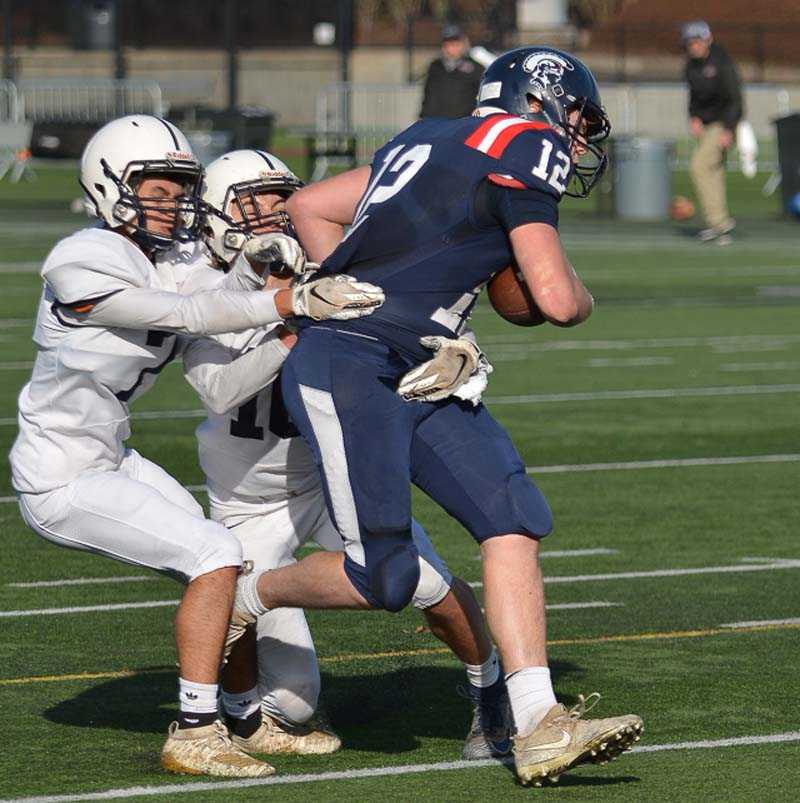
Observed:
{"x":562,"y":742}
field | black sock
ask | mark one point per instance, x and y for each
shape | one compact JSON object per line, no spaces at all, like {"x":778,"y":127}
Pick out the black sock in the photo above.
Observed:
{"x":246,"y":727}
{"x":193,"y":719}
{"x":493,"y":693}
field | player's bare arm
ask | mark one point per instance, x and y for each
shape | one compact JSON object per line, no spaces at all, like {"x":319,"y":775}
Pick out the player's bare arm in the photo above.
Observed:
{"x":320,"y":212}
{"x":554,"y":285}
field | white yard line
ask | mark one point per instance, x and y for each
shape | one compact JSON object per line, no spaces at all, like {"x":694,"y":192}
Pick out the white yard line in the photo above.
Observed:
{"x":687,"y":462}
{"x":6,"y":322}
{"x":576,"y":553}
{"x":763,"y":623}
{"x":526,"y":343}
{"x":124,"y":606}
{"x":628,"y":362}
{"x":541,"y":398}
{"x":759,"y":366}
{"x":632,"y":465}
{"x":735,"y":569}
{"x":143,"y":415}
{"x":650,"y":393}
{"x":576,"y":606}
{"x":15,"y":366}
{"x":84,"y":581}
{"x":374,"y":772}
{"x":20,"y":267}
{"x":571,"y":553}
{"x":694,"y":271}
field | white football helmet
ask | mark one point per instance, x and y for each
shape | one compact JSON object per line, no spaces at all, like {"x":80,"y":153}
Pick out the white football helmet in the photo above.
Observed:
{"x":235,"y":179}
{"x":128,"y":149}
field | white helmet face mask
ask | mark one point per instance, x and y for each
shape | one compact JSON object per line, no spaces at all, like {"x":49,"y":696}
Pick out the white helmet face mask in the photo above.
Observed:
{"x":123,"y":153}
{"x":233,"y":182}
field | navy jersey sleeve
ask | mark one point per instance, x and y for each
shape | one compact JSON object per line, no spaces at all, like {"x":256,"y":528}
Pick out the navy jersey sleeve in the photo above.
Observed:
{"x":537,"y":158}
{"x":509,"y":207}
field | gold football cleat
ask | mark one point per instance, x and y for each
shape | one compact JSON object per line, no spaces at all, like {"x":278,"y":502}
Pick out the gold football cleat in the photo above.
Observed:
{"x":274,"y":736}
{"x":563,"y":739}
{"x":209,"y":751}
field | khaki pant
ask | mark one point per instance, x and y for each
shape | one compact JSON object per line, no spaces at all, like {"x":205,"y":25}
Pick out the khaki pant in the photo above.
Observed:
{"x":707,"y":170}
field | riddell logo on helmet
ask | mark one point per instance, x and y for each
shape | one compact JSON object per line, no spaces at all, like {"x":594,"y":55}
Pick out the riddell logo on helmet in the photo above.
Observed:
{"x":180,"y":156}
{"x":547,"y":70}
{"x":270,"y":174}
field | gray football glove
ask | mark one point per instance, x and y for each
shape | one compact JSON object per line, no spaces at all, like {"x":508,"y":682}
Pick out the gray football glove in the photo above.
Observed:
{"x":454,"y":362}
{"x":340,"y":297}
{"x":278,"y":252}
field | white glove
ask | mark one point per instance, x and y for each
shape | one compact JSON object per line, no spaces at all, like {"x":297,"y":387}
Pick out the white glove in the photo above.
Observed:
{"x":340,"y":297}
{"x":472,"y":389}
{"x":453,"y":364}
{"x":277,"y":252}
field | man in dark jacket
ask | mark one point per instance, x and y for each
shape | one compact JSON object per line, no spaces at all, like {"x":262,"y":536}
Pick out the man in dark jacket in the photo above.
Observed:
{"x":451,"y":86}
{"x":715,"y":108}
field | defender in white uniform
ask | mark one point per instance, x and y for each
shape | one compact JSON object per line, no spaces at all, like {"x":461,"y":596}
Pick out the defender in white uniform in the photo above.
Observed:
{"x":107,"y":324}
{"x":264,"y":486}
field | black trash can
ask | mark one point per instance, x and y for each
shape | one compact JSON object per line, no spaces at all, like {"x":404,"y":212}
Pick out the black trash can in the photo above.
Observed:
{"x":789,"y":158}
{"x":249,"y":126}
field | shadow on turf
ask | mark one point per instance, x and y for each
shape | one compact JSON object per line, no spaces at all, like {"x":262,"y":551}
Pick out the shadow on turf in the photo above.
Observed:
{"x":377,"y":711}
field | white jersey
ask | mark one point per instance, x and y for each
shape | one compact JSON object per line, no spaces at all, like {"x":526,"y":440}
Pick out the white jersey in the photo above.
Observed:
{"x":107,"y":323}
{"x":247,"y":447}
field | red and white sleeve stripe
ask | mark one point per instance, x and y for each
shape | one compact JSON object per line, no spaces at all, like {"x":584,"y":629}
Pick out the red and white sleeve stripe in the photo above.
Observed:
{"x":493,"y":136}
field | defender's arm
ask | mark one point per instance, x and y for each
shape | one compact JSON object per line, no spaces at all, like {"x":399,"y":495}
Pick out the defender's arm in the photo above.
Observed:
{"x":224,"y":380}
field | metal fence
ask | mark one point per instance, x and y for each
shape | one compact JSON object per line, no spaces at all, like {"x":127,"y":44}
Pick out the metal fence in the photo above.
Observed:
{"x":376,"y":112}
{"x":85,"y":100}
{"x":9,"y":103}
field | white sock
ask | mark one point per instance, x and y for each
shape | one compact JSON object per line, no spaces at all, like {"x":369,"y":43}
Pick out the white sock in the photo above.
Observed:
{"x":247,"y":595}
{"x":243,"y":704}
{"x":486,"y":674}
{"x":531,"y":695}
{"x":197,"y":698}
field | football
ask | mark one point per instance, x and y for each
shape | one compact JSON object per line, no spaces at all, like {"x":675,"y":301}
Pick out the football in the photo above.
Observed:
{"x":681,"y":208}
{"x":512,"y":300}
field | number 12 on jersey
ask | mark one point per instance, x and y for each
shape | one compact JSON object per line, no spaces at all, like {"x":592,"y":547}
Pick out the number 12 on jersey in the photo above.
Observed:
{"x":405,"y":165}
{"x":555,"y":176}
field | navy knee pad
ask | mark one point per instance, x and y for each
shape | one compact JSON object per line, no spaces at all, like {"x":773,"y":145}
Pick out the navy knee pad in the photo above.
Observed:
{"x":392,"y":572}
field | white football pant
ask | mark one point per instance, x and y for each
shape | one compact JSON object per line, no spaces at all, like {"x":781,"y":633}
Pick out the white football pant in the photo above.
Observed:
{"x":138,"y":514}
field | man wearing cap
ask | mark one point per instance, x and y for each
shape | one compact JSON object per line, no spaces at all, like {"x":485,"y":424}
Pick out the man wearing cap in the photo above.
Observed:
{"x":715,"y":108}
{"x":451,"y":85}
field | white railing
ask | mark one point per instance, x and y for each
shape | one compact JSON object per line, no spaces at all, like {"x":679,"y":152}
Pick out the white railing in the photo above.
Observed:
{"x":9,"y":103}
{"x":86,"y":100}
{"x":376,"y":112}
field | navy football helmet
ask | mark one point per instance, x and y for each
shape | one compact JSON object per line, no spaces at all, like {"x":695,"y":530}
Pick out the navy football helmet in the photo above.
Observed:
{"x":562,"y":84}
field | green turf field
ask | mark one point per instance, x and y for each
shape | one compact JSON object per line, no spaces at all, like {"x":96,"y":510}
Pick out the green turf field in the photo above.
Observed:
{"x":664,"y":433}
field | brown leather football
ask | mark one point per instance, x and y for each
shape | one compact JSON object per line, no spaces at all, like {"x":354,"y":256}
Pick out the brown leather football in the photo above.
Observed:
{"x":512,"y":300}
{"x":681,"y":208}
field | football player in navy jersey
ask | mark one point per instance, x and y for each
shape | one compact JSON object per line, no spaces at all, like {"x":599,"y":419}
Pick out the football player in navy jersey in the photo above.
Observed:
{"x":445,"y":205}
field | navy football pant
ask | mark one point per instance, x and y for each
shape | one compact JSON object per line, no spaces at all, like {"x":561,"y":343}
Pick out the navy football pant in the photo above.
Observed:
{"x":370,"y":444}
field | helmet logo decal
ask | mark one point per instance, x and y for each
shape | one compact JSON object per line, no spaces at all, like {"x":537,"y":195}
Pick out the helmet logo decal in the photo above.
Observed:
{"x":547,"y":70}
{"x":180,"y":156}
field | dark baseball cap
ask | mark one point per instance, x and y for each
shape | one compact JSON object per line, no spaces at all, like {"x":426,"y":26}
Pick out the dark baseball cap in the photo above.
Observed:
{"x":697,"y":29}
{"x":451,"y":31}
